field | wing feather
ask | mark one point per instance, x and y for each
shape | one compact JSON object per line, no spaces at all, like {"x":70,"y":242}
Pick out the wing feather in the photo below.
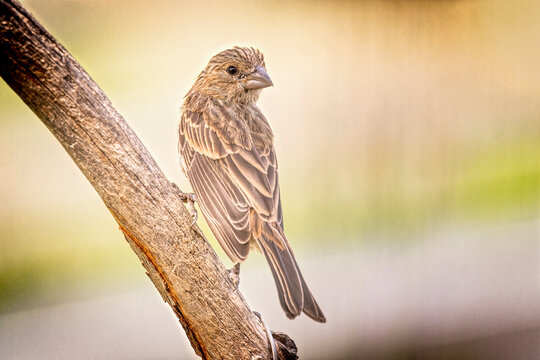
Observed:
{"x":229,"y":178}
{"x":227,"y":218}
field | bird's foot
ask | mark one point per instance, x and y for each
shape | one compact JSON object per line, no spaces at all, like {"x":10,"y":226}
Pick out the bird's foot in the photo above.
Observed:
{"x":189,"y":199}
{"x":234,"y":274}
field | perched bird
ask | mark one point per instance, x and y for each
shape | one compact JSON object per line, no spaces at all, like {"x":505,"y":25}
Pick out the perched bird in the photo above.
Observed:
{"x":227,"y":153}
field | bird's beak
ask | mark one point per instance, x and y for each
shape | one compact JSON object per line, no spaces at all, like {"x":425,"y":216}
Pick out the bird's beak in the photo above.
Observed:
{"x":258,"y":79}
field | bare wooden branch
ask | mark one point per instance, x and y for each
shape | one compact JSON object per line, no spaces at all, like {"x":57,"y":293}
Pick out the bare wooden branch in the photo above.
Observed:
{"x":177,"y":258}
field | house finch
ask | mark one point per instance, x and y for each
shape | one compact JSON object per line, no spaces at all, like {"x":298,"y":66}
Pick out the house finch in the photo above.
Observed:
{"x":227,"y":152}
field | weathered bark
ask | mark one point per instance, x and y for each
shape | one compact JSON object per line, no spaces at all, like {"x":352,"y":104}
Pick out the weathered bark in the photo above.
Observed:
{"x":177,"y":258}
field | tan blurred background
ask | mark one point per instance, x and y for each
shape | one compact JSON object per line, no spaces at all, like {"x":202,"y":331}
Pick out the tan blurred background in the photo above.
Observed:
{"x":408,"y":135}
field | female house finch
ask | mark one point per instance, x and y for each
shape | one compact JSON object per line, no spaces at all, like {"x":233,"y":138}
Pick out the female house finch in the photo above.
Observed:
{"x":227,"y":151}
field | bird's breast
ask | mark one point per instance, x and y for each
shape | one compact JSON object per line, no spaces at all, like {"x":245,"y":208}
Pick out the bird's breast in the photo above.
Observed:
{"x":259,"y":128}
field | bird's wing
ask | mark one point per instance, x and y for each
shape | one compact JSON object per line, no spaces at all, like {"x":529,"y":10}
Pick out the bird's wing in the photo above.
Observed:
{"x":229,"y":177}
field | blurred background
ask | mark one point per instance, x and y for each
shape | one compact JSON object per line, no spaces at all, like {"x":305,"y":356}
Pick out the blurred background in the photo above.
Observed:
{"x":408,"y":136}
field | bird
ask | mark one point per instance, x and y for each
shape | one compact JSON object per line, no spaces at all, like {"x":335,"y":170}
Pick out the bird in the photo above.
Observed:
{"x":227,"y":153}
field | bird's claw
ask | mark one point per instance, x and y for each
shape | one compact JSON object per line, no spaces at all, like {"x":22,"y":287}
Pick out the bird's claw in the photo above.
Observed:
{"x":234,"y":274}
{"x":192,"y":210}
{"x":189,"y":199}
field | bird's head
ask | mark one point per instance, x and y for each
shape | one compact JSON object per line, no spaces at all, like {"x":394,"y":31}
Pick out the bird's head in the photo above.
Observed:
{"x":236,"y":75}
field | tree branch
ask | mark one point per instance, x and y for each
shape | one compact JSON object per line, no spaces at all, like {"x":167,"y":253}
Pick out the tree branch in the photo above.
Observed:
{"x":179,"y":261}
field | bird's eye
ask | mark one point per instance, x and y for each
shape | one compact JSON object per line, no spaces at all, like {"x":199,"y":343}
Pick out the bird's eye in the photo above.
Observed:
{"x":233,"y":70}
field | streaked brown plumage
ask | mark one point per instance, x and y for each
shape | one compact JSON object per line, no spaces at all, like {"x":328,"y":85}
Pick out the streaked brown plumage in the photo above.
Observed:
{"x":228,"y":155}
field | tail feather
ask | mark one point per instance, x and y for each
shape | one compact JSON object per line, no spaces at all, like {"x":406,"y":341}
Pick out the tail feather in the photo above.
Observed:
{"x":288,"y":282}
{"x":293,"y":292}
{"x":311,"y":308}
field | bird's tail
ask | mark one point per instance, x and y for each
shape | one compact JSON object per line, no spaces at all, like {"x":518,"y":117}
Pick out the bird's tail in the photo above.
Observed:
{"x":294,"y":294}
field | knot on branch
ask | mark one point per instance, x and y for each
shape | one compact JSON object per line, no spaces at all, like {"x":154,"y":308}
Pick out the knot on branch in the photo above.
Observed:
{"x":286,"y":347}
